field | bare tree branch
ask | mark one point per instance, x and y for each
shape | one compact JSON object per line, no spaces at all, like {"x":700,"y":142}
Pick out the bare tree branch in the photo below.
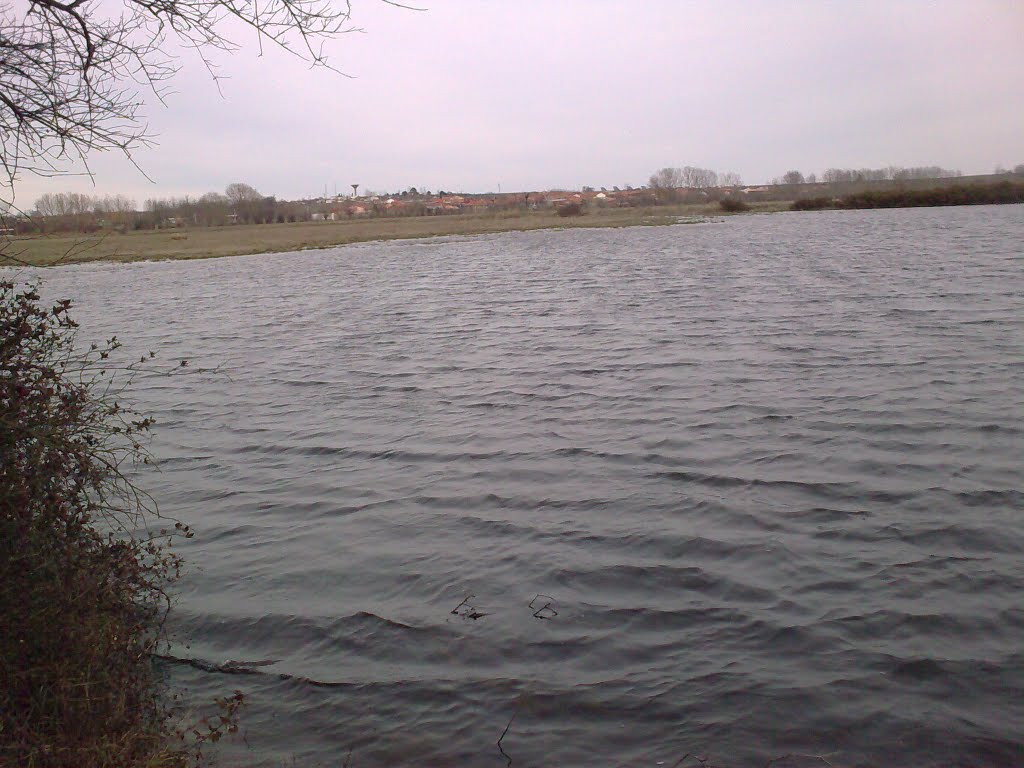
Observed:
{"x":74,"y":75}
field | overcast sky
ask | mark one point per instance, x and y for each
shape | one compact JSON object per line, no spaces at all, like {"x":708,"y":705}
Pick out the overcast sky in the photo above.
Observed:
{"x":477,"y":95}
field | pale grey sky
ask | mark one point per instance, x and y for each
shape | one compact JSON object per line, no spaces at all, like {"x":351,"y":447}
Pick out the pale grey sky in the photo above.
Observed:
{"x":472,"y":94}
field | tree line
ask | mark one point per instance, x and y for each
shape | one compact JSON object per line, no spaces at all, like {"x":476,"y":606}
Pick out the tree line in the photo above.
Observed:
{"x":75,"y":211}
{"x":240,"y":203}
{"x":852,"y":175}
{"x":691,"y":177}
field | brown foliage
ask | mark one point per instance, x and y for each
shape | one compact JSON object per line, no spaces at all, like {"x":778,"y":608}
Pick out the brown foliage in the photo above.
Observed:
{"x":979,"y":194}
{"x":570,"y":209}
{"x":733,"y":205}
{"x":82,"y":579}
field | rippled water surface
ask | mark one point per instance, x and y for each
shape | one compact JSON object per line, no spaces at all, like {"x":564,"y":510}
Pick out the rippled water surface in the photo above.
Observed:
{"x":766,"y":473}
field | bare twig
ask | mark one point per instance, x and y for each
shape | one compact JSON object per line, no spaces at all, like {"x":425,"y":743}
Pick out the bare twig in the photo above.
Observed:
{"x":501,"y":749}
{"x":470,"y":612}
{"x":455,"y":610}
{"x":73,"y":75}
{"x":539,"y":612}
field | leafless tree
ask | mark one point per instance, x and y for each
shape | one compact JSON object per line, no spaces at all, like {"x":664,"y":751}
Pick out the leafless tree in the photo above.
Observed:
{"x":50,"y":205}
{"x":76,"y":211}
{"x":699,"y":178}
{"x":666,"y":178}
{"x":245,"y":202}
{"x":688,"y":177}
{"x":113,"y":204}
{"x":239,"y":193}
{"x":793,"y":177}
{"x":894,"y":173}
{"x":74,"y":73}
{"x":116,"y":210}
{"x":212,"y":209}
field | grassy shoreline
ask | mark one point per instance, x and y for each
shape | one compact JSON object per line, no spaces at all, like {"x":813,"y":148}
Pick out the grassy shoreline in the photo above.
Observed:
{"x":247,"y":239}
{"x":254,"y":239}
{"x":251,"y":239}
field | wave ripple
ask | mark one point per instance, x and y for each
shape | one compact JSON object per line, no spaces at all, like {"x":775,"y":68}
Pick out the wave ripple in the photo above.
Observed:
{"x":739,"y":489}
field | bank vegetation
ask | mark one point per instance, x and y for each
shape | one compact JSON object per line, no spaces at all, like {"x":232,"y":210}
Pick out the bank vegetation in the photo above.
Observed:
{"x":1001,"y":192}
{"x":86,"y":565}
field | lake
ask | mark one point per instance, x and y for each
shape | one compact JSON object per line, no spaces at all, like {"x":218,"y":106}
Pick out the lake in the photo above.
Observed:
{"x":739,"y":489}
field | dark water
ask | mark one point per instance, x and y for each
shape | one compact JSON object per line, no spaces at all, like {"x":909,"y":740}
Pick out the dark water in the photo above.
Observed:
{"x":767,"y":470}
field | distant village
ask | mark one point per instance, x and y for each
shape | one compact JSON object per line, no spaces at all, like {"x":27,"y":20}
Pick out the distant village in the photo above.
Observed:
{"x":412,"y":203}
{"x":242,"y":204}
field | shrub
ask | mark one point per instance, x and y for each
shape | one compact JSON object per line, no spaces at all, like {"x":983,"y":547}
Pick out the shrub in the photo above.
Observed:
{"x":83,"y":581}
{"x":570,"y":209}
{"x":813,"y":204}
{"x":733,"y":205}
{"x":958,"y":194}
